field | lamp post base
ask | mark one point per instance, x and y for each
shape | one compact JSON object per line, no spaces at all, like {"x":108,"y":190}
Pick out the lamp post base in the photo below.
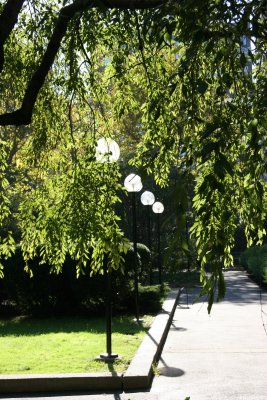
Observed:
{"x":138,"y":321}
{"x":106,"y":357}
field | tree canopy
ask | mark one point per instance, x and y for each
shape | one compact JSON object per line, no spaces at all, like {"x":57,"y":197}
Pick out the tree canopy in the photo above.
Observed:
{"x":186,"y":78}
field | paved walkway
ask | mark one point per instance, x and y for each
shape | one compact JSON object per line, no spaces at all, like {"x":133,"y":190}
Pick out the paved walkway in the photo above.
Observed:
{"x":222,"y":356}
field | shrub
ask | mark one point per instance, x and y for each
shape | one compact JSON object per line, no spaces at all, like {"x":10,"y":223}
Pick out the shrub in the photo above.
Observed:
{"x":143,"y":261}
{"x":150,"y":298}
{"x":47,"y":294}
{"x":254,"y":260}
{"x":50,"y":294}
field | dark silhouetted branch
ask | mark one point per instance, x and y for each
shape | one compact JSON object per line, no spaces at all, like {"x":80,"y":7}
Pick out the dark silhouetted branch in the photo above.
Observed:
{"x":8,"y":19}
{"x":23,"y":116}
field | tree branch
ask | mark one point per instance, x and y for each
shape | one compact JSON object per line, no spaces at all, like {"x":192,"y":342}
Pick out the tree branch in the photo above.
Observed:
{"x":8,"y":19}
{"x":133,"y":4}
{"x":23,"y":116}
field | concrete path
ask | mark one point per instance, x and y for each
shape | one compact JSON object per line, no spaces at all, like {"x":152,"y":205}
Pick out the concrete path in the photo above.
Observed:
{"x":222,"y":356}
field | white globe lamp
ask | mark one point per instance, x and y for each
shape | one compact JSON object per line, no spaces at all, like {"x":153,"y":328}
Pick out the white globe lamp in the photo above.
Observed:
{"x":133,"y":183}
{"x":147,"y":198}
{"x":107,"y":150}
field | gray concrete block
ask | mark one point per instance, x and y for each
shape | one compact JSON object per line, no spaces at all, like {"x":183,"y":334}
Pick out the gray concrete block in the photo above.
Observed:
{"x":140,"y":372}
{"x":59,"y":382}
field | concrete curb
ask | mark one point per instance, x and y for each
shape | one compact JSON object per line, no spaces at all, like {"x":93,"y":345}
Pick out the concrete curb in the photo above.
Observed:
{"x":140,"y":372}
{"x":138,"y":376}
{"x":59,"y":382}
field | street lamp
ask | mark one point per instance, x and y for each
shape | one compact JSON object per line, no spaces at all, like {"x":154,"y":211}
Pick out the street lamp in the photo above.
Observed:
{"x":147,"y":199}
{"x":133,"y":184}
{"x":107,"y":151}
{"x":158,"y":209}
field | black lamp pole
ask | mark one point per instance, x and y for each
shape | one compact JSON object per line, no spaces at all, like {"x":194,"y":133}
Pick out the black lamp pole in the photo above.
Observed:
{"x":136,"y":293}
{"x":108,"y":356}
{"x":158,"y":208}
{"x":149,"y":243}
{"x":159,"y":252}
{"x":107,"y":151}
{"x":108,"y":314}
{"x":133,"y":184}
{"x":147,"y":199}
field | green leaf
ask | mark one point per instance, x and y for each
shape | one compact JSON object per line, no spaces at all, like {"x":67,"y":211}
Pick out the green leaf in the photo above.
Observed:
{"x":173,"y":87}
{"x":225,"y":164}
{"x":209,"y":129}
{"x":243,"y":60}
{"x":219,"y":169}
{"x":202,"y":86}
{"x":185,"y":90}
{"x":228,"y":80}
{"x":210,"y":299}
{"x":208,"y":149}
{"x":221,"y":286}
{"x":153,"y":105}
{"x":157,"y":113}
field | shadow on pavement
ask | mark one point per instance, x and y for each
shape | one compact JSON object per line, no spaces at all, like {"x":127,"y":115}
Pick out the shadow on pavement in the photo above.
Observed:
{"x":167,"y":370}
{"x":241,"y":291}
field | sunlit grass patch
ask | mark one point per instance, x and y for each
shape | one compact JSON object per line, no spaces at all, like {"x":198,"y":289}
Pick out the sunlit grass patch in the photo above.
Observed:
{"x":66,"y":344}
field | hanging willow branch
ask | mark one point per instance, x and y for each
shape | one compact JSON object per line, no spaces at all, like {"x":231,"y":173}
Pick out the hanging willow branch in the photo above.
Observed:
{"x":23,"y":116}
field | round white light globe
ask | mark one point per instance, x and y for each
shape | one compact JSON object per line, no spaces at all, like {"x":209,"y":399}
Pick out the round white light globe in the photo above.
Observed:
{"x":107,"y":150}
{"x":133,"y":183}
{"x":147,"y":198}
{"x":158,"y":207}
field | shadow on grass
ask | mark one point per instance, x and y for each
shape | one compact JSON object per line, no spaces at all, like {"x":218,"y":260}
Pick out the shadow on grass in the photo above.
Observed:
{"x":26,"y":326}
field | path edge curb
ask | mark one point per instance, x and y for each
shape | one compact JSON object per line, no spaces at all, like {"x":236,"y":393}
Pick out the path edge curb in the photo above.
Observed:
{"x":140,"y":373}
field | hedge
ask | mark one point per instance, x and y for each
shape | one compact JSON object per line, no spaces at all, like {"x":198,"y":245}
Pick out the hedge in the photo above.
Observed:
{"x":47,"y":294}
{"x":254,"y":260}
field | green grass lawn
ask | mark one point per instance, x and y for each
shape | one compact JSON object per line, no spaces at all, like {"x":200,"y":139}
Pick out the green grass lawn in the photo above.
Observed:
{"x":59,"y":345}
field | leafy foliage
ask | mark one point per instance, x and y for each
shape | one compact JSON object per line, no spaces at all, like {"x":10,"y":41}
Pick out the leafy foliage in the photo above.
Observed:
{"x":50,"y":294}
{"x":189,"y":78}
{"x":254,"y":260}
